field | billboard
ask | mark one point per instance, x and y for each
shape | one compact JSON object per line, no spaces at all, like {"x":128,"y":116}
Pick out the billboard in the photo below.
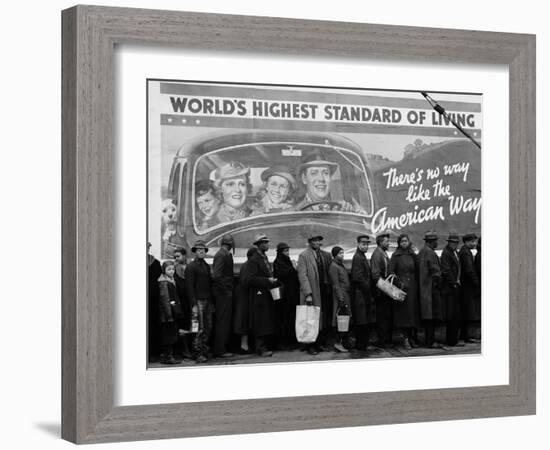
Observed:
{"x":291,"y":161}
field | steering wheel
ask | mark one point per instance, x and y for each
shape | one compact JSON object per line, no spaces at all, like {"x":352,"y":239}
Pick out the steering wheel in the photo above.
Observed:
{"x":334,"y":206}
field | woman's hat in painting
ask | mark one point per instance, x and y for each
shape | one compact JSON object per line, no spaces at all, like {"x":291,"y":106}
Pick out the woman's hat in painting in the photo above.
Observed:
{"x":281,"y":171}
{"x":230,"y":170}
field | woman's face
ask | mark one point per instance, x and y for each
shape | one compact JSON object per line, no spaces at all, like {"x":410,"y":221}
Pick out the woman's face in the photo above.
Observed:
{"x":169,"y":271}
{"x":286,"y":252}
{"x":234,"y":192}
{"x":404,"y":244}
{"x":340,"y":255}
{"x":277,"y":189}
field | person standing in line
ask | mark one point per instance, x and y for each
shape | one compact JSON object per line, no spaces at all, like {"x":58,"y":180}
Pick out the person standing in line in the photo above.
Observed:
{"x":260,"y":280}
{"x":285,"y":271}
{"x":199,"y":292}
{"x":341,"y":294}
{"x":363,"y":304}
{"x":154,"y":271}
{"x":380,"y":266}
{"x":406,"y":315}
{"x":241,"y":311}
{"x":169,"y":312}
{"x":471,"y":288}
{"x":313,"y":264}
{"x":429,"y":276}
{"x":451,"y":289}
{"x":223,"y":278}
{"x":477,"y":263}
{"x":184,"y":323}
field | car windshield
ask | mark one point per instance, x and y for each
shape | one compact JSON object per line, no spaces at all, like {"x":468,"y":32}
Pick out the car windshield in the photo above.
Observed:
{"x":244,"y":182}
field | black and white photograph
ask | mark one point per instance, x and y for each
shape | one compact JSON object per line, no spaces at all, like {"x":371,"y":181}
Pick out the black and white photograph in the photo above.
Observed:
{"x":300,"y":223}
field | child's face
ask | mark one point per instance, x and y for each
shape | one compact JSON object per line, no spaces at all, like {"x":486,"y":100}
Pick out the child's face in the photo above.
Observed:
{"x":170,"y":271}
{"x":208,"y":204}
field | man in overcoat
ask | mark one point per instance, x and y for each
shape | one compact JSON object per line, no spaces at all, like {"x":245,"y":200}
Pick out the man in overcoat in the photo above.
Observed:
{"x":431,"y":306}
{"x":223,"y":277}
{"x":198,"y":283}
{"x":380,"y":266}
{"x":363,"y":306}
{"x":260,"y":280}
{"x":315,"y":289}
{"x":451,"y":289}
{"x":471,"y":287}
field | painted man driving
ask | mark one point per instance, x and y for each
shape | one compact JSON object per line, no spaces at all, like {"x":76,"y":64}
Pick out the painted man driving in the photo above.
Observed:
{"x":316,"y":174}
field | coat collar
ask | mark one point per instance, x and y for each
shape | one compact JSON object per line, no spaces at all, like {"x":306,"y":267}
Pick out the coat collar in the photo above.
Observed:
{"x":163,"y":277}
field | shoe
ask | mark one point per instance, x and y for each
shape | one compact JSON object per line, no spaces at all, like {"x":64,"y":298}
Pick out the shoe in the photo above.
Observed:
{"x":435,"y":345}
{"x":413,"y":343}
{"x":340,"y":348}
{"x":265,"y":353}
{"x":169,"y":360}
{"x":407,"y":344}
{"x":201,"y":359}
{"x":227,"y":355}
{"x":460,"y":343}
{"x":312,"y":351}
{"x":320,"y":348}
{"x":244,"y":351}
{"x":473,"y":341}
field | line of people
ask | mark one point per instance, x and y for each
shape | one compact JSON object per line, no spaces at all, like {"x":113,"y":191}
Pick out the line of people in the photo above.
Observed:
{"x":199,"y":311}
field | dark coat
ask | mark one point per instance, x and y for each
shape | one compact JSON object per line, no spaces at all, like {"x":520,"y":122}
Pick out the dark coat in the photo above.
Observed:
{"x":404,"y":264}
{"x":287,"y":275}
{"x":261,"y":302}
{"x":180,"y":289}
{"x":471,"y":286}
{"x":380,"y":268}
{"x":450,"y":286}
{"x":154,"y":271}
{"x":222,"y":273}
{"x":198,"y":281}
{"x":167,"y":295}
{"x":429,"y":277}
{"x":363,"y":305}
{"x":341,"y":287}
{"x":241,"y":302}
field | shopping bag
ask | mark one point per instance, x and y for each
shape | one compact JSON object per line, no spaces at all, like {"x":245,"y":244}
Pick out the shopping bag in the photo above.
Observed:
{"x":307,"y":323}
{"x":392,"y":291}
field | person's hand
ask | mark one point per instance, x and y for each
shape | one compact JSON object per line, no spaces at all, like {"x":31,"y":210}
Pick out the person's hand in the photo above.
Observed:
{"x":309,"y":300}
{"x":272,"y":280}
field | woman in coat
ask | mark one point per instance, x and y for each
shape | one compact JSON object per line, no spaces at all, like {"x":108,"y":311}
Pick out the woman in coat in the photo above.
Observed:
{"x":406,"y":314}
{"x":341,"y":294}
{"x":169,"y":312}
{"x":285,"y":308}
{"x":241,"y":305}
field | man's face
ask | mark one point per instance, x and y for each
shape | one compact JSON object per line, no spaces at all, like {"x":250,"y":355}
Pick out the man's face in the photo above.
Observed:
{"x":263,"y":246}
{"x":200,"y":253}
{"x":316,"y":244}
{"x":234,"y":192}
{"x":363,"y":245}
{"x":433,"y":244}
{"x":471,"y":244}
{"x":277,"y":189}
{"x":452,"y":245}
{"x":317,"y":182}
{"x":208,"y":204}
{"x":385,"y":243}
{"x":179,"y":258}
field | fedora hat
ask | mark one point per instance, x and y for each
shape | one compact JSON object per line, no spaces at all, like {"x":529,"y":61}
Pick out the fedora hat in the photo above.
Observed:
{"x":431,"y":236}
{"x":469,"y":237}
{"x":453,"y":237}
{"x":282,"y":246}
{"x":315,"y":159}
{"x":199,"y":244}
{"x":260,"y":237}
{"x":314,"y":237}
{"x":228,"y":240}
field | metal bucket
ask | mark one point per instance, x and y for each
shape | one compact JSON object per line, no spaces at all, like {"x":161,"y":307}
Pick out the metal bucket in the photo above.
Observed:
{"x":343,"y":323}
{"x":276,"y":293}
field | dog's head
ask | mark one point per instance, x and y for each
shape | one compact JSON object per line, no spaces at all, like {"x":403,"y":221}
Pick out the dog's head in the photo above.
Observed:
{"x":168,"y":211}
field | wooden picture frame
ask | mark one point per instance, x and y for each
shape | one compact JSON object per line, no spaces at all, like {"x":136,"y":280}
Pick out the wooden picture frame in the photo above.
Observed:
{"x":89,"y":36}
